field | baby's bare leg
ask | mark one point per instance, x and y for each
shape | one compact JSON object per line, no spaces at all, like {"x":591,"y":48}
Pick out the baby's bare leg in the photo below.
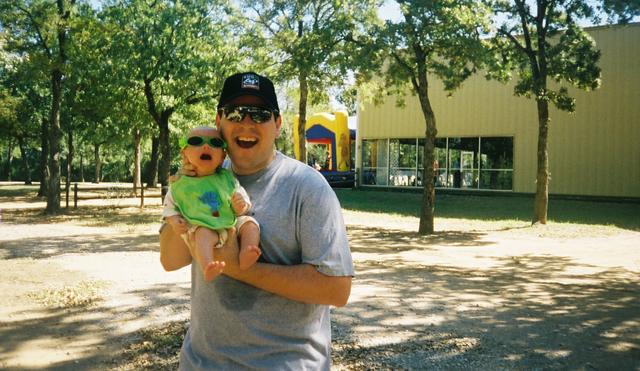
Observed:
{"x":249,"y":235}
{"x":206,"y":239}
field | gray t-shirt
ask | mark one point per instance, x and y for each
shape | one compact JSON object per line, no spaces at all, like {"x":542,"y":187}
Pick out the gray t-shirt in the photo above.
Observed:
{"x":237,"y":326}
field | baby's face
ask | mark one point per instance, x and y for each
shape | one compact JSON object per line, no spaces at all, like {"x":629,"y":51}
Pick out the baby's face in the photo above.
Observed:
{"x":203,"y":154}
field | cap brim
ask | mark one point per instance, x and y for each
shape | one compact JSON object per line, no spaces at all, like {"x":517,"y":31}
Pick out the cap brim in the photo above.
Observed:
{"x":248,"y":92}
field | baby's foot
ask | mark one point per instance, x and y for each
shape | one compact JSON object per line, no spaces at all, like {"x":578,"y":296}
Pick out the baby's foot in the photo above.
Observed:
{"x":213,"y":270}
{"x":249,"y":256}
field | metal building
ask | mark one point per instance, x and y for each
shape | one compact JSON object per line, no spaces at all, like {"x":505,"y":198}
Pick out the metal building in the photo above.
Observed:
{"x":487,"y":137}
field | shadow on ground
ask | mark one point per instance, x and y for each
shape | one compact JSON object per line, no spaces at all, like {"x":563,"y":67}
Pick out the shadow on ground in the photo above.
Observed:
{"x":378,"y":240}
{"x":517,"y":315}
{"x":78,"y":327}
{"x":47,"y":247}
{"x":97,"y":216}
{"x":525,"y":312}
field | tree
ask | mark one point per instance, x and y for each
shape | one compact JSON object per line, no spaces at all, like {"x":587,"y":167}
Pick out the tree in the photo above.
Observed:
{"x":621,"y":11}
{"x":307,"y":40}
{"x":25,"y":79}
{"x":19,"y":123}
{"x":544,"y":44}
{"x":176,"y":53}
{"x":94,"y":94}
{"x":434,"y":39}
{"x":9,"y":123}
{"x":40,"y":29}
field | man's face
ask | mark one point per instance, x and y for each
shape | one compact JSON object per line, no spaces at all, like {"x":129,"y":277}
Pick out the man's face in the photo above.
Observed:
{"x":250,"y":145}
{"x":204,"y":158}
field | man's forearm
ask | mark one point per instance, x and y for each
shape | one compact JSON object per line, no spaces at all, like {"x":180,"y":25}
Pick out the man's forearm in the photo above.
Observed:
{"x":300,"y":282}
{"x":174,"y":253}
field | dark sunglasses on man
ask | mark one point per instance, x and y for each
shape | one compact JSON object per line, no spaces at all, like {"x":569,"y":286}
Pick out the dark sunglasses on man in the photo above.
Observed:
{"x":259,"y":115}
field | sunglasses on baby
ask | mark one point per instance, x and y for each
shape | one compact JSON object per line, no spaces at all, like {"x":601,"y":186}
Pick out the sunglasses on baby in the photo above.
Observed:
{"x":259,"y":115}
{"x":198,"y":141}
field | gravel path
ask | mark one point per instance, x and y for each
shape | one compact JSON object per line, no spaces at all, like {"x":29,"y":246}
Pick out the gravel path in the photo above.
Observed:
{"x":517,"y":299}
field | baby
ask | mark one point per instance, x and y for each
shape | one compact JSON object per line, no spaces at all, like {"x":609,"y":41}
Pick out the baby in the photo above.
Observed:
{"x":206,"y":205}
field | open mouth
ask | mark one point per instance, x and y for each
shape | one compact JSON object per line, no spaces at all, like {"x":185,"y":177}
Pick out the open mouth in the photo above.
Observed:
{"x":246,"y":142}
{"x":205,"y":156}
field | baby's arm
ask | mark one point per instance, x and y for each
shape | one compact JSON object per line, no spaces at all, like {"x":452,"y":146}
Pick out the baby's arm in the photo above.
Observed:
{"x":172,"y":216}
{"x":240,"y":200}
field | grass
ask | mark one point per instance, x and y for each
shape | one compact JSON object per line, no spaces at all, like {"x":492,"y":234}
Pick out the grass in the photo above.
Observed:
{"x":472,"y":207}
{"x":494,"y":207}
{"x":13,"y":190}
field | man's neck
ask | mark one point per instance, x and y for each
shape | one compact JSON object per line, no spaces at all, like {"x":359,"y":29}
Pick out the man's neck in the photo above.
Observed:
{"x":243,"y":172}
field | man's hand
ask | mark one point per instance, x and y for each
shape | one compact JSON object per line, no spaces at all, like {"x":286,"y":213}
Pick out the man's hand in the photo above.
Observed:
{"x":187,"y":169}
{"x":229,"y":254}
{"x":239,"y":204}
{"x":178,"y":223}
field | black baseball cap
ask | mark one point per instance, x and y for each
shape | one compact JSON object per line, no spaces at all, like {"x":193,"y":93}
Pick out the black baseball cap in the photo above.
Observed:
{"x":249,"y":83}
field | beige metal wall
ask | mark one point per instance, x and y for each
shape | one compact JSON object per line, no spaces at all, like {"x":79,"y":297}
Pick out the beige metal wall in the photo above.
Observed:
{"x":595,"y":151}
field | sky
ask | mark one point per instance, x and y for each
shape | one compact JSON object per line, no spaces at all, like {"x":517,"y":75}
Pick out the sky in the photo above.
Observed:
{"x":391,"y":11}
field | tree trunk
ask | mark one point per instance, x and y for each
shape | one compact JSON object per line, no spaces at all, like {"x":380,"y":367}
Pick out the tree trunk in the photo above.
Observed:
{"x":81,"y":166}
{"x":165,"y":150}
{"x":55,"y":133}
{"x":44,"y":171}
{"x":302,"y":106}
{"x":152,"y":177}
{"x":55,"y":136}
{"x":25,"y":160}
{"x":9,"y":158}
{"x":70,"y":155}
{"x":427,"y":210}
{"x":136,"y":162}
{"x":162,"y":120}
{"x":96,"y":159}
{"x":302,"y":112}
{"x":541,"y":201}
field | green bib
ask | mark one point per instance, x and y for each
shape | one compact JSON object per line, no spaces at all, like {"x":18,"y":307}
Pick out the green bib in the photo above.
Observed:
{"x":206,"y":201}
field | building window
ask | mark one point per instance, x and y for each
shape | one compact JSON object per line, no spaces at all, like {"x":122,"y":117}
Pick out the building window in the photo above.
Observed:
{"x":496,"y":163}
{"x":402,"y":162}
{"x":463,"y":166}
{"x":375,"y":164}
{"x":464,"y":163}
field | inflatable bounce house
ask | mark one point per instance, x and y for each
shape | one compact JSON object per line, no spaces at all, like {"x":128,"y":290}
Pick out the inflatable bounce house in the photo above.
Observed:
{"x":333,"y":132}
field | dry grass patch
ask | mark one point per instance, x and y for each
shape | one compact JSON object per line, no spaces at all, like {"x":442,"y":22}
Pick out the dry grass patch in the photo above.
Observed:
{"x":84,"y":294}
{"x":156,"y":349}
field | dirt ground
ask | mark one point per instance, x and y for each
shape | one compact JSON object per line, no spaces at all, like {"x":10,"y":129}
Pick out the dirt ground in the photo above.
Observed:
{"x":467,"y":298}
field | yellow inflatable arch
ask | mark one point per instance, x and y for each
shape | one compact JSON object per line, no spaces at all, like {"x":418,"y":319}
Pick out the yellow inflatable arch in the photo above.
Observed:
{"x":332,"y":130}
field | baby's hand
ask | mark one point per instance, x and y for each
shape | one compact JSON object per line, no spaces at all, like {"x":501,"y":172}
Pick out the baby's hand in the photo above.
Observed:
{"x":178,"y":224}
{"x":238,"y":204}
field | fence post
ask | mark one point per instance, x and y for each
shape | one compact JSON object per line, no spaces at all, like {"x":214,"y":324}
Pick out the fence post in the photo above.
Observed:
{"x":141,"y":197}
{"x":66,"y":192}
{"x":75,"y":195}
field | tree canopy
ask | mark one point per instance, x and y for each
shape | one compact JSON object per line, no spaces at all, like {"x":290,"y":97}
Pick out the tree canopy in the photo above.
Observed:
{"x":542,"y":43}
{"x":119,"y":81}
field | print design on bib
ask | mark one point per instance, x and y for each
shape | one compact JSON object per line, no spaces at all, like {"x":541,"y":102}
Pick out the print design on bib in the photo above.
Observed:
{"x":211,"y":199}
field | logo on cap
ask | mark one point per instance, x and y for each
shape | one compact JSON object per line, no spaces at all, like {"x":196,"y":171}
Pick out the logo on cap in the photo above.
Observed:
{"x":250,"y":81}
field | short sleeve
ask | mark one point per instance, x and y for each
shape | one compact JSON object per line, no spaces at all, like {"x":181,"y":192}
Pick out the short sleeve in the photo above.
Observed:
{"x":169,"y":207}
{"x":322,"y":232}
